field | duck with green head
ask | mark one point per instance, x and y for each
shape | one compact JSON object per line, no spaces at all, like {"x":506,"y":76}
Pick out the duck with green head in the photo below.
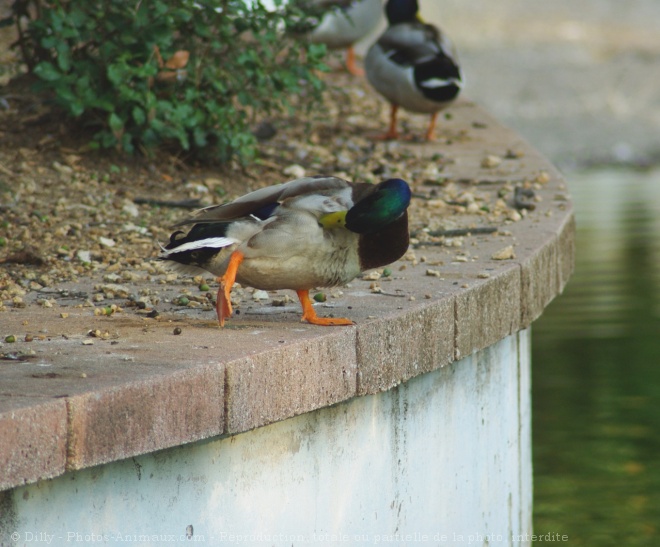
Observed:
{"x":299,"y":235}
{"x":413,"y":65}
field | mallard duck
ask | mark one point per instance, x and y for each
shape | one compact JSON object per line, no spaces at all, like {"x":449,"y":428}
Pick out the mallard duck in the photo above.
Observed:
{"x":305,"y":233}
{"x":343,"y":23}
{"x":413,"y":65}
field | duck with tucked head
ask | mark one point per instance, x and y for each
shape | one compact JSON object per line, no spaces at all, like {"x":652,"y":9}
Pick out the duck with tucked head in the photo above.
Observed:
{"x":345,"y":22}
{"x":413,"y":65}
{"x":305,"y":233}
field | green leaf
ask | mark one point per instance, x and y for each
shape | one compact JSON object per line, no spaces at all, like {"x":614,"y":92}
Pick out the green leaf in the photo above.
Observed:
{"x":47,"y":71}
{"x":199,"y":137}
{"x":115,"y":123}
{"x":139,"y":116}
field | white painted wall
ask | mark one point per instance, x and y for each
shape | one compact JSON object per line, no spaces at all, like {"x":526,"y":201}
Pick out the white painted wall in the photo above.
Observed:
{"x":444,"y":459}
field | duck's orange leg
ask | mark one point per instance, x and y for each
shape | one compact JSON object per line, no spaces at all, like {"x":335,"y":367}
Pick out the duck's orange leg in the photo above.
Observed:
{"x":392,"y":133}
{"x":351,"y":65}
{"x":223,"y":302}
{"x":309,"y":314}
{"x":430,"y":132}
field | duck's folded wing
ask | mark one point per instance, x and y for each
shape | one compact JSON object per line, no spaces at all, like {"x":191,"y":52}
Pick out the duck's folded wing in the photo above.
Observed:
{"x":410,"y":43}
{"x":262,"y":199}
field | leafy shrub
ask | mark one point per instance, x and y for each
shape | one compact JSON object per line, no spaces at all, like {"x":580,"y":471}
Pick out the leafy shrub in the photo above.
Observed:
{"x":148,"y":73}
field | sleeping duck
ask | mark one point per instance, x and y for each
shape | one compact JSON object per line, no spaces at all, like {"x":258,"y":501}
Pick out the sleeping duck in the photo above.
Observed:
{"x":343,"y":23}
{"x":413,"y":66}
{"x":305,"y":233}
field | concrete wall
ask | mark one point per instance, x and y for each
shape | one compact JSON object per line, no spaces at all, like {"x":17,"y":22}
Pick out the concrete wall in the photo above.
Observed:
{"x":443,"y":459}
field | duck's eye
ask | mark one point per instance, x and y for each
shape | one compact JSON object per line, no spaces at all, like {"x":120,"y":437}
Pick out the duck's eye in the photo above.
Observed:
{"x":194,"y":255}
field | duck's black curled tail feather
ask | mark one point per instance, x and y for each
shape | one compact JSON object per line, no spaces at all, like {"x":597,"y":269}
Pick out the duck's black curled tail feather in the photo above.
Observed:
{"x":198,"y":233}
{"x":439,"y":79}
{"x":199,"y":247}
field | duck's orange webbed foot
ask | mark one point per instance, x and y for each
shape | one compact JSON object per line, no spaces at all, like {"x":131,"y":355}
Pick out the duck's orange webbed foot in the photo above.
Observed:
{"x":430,"y":132}
{"x":392,"y":134}
{"x":309,"y":314}
{"x":223,"y":302}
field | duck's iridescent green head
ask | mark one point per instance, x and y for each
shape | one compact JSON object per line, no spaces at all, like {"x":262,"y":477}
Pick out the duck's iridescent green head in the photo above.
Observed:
{"x":401,"y":11}
{"x":382,"y":207}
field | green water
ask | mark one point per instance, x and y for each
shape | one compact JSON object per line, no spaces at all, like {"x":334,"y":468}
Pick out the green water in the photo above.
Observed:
{"x":596,"y":371}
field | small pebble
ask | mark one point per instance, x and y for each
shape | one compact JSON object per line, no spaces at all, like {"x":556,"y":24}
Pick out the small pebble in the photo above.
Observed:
{"x":506,"y":253}
{"x":543,"y":177}
{"x":296,"y":171}
{"x":177,"y":331}
{"x":491,"y":161}
{"x":371,"y":276}
{"x":84,"y":256}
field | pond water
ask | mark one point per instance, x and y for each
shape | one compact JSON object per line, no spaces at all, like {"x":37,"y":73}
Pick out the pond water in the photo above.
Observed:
{"x":596,"y":371}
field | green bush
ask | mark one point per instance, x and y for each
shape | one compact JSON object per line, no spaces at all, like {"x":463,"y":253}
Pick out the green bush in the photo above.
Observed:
{"x":104,"y":62}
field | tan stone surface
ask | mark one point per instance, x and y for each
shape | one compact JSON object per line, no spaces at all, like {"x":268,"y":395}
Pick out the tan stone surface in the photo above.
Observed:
{"x":145,"y":415}
{"x":34,"y":439}
{"x":399,"y":346}
{"x":314,"y":372}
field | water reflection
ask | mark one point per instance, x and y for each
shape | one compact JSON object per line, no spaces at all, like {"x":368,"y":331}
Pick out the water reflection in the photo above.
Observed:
{"x":596,"y":378}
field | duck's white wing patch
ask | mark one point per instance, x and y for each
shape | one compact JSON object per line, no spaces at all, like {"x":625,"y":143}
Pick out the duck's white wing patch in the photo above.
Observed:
{"x":210,"y":242}
{"x":434,"y":83}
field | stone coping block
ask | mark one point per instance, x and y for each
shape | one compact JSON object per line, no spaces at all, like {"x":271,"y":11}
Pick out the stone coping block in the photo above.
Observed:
{"x":81,"y":401}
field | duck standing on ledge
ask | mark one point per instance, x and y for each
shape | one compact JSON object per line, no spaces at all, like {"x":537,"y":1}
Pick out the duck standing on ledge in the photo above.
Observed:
{"x":305,"y":233}
{"x":413,"y":66}
{"x":344,"y":23}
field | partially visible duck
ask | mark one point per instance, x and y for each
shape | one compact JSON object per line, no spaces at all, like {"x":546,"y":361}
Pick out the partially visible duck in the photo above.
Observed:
{"x":344,"y":22}
{"x":305,"y":233}
{"x":413,"y":65}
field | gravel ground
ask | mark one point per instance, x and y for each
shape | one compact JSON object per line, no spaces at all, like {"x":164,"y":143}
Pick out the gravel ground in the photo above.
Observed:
{"x":576,"y":81}
{"x":74,"y":215}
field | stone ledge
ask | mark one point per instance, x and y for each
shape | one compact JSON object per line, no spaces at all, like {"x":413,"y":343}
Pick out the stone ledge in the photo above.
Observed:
{"x":145,"y":389}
